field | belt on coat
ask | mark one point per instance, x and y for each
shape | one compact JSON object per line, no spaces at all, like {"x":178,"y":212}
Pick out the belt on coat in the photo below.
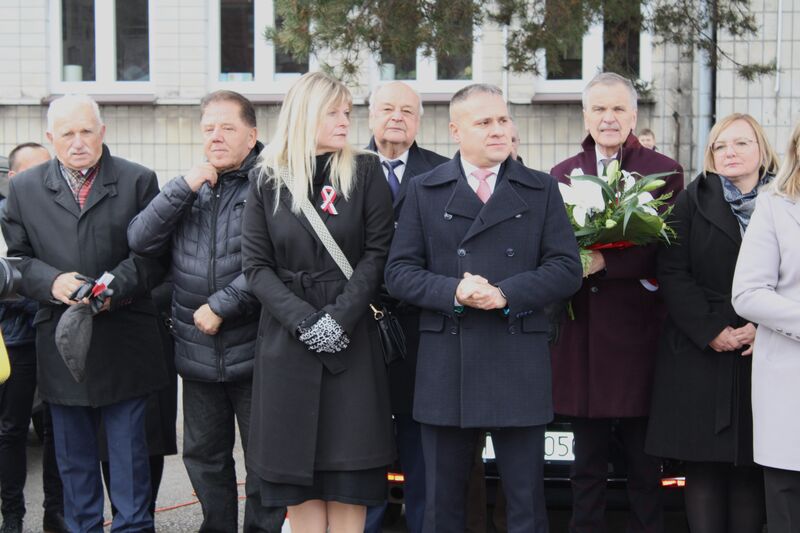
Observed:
{"x":298,"y":282}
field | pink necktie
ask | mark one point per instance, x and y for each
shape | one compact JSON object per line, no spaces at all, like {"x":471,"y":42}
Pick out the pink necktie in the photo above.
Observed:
{"x":483,"y":191}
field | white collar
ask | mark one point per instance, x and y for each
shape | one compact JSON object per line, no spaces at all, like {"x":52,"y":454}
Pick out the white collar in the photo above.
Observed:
{"x":403,"y":157}
{"x":600,"y":156}
{"x":469,"y":168}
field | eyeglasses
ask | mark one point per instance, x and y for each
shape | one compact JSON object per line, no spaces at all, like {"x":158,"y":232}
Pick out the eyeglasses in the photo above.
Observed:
{"x":739,"y":146}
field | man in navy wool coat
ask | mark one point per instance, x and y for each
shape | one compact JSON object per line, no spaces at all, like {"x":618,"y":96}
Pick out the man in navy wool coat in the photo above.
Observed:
{"x":482,"y":245}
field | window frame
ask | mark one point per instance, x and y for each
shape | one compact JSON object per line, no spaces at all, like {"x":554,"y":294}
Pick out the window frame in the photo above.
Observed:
{"x":265,"y":79}
{"x":426,"y":81}
{"x":592,"y":64}
{"x":105,"y":57}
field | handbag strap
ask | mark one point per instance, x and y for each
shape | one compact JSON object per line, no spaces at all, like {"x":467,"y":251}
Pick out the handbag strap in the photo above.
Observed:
{"x":322,"y":231}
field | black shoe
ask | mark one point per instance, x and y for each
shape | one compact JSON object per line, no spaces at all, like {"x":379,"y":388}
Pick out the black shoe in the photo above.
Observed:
{"x":11,"y":525}
{"x":54,"y":523}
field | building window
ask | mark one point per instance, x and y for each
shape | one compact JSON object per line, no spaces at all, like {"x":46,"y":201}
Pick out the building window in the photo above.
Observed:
{"x":133,"y":40}
{"x":241,"y":59}
{"x":77,"y":40}
{"x":617,"y":43}
{"x":102,"y":46}
{"x":286,"y":63}
{"x":237,"y":40}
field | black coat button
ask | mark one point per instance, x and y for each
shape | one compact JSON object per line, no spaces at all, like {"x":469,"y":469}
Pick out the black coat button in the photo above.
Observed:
{"x":461,"y":252}
{"x":512,"y":330}
{"x":594,"y":289}
{"x":510,"y":252}
{"x":448,"y":216}
{"x":454,"y":331}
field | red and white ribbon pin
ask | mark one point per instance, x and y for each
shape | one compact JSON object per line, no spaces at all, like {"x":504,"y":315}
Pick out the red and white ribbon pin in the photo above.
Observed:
{"x":328,"y":197}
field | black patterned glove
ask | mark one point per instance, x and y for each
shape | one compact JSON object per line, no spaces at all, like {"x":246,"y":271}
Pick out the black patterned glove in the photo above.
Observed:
{"x":321,"y":333}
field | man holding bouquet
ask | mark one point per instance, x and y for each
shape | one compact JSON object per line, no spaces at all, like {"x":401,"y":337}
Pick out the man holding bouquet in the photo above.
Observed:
{"x":603,"y":360}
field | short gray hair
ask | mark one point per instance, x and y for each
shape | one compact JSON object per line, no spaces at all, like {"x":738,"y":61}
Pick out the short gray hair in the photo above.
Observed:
{"x":377,"y":89}
{"x":611,"y":78}
{"x":471,"y":90}
{"x":67,"y":103}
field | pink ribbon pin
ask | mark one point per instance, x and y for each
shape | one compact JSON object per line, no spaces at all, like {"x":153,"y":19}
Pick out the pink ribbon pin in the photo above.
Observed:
{"x":328,"y":197}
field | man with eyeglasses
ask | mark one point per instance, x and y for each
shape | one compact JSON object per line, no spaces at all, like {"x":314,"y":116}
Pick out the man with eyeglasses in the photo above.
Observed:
{"x":603,"y":360}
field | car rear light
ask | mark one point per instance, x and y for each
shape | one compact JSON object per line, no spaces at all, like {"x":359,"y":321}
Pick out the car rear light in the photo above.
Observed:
{"x":394,"y":477}
{"x":673,"y":482}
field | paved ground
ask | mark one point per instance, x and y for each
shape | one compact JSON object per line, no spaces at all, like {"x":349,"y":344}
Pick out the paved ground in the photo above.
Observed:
{"x":179,"y":512}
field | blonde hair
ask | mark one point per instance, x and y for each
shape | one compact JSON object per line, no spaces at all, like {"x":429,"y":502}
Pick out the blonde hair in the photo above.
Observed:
{"x":769,"y":159}
{"x":289,"y":161}
{"x":787,"y":181}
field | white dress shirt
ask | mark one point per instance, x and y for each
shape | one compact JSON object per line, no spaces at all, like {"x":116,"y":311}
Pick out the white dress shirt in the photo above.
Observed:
{"x":600,"y":156}
{"x":399,"y":169}
{"x":469,"y":168}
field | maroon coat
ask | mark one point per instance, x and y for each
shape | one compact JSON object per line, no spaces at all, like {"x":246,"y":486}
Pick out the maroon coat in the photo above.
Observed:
{"x":604,"y":359}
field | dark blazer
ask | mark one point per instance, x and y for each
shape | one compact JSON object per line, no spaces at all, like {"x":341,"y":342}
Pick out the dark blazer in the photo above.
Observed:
{"x":701,"y":398}
{"x":44,"y":226}
{"x":604,"y":358}
{"x":318,"y":411}
{"x":481,"y":368}
{"x":402,"y":371}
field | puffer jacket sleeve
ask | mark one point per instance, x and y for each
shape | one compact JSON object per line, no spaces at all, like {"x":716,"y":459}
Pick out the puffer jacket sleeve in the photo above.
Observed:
{"x":150,"y":232}
{"x":235,"y":300}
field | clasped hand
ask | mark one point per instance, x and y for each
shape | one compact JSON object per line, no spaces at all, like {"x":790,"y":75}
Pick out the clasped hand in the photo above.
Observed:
{"x":475,"y":291}
{"x":731,"y":339}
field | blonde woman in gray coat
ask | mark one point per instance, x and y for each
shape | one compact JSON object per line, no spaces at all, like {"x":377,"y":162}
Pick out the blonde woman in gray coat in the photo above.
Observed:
{"x":766,"y":290}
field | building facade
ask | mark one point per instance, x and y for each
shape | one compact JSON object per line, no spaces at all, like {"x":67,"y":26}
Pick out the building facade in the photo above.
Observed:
{"x":148,"y":63}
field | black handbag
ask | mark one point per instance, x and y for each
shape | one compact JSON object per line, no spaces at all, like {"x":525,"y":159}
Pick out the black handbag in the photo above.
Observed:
{"x":393,"y":341}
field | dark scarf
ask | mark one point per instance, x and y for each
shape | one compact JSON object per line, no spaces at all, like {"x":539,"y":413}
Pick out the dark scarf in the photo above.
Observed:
{"x":742,"y":205}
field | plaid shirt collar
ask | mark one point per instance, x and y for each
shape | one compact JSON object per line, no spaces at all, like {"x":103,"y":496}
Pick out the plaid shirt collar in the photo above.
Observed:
{"x":78,"y":180}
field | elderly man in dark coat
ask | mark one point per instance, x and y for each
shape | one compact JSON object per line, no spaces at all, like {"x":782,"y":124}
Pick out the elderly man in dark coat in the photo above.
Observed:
{"x":604,"y":358}
{"x":395,"y":111}
{"x":68,"y":217}
{"x":483,"y":244}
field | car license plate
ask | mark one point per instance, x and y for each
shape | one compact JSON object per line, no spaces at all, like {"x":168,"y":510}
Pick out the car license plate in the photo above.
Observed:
{"x":557,"y":446}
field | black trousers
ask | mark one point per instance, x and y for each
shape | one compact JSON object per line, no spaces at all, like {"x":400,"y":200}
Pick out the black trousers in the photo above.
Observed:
{"x":590,"y":471}
{"x":782,"y":488}
{"x":16,"y":399}
{"x":449,"y":457}
{"x":210,"y":413}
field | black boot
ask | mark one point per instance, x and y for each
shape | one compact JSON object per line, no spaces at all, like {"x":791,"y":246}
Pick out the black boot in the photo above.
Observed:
{"x":54,"y":523}
{"x":11,"y":524}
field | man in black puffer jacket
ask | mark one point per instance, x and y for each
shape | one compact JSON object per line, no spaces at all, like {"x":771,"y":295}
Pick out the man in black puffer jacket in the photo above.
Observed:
{"x":215,"y":316}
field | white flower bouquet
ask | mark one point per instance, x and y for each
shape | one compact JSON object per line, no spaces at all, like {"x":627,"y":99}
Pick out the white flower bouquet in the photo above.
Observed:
{"x":615,"y":211}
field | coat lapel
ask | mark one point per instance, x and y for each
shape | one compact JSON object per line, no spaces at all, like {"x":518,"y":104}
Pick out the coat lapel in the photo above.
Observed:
{"x":463,"y":201}
{"x":62,"y":195}
{"x":793,"y":208}
{"x":286,"y":200}
{"x":105,"y":183}
{"x":503,"y":204}
{"x":712,"y":206}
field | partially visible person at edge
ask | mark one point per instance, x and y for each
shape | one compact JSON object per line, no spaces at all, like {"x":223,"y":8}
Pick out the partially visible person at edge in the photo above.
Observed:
{"x":198,"y":218}
{"x":62,"y":219}
{"x":395,"y":111}
{"x":483,"y":244}
{"x":322,"y":433}
{"x":16,"y":394}
{"x":766,"y":291}
{"x":603,"y":359}
{"x":701,"y":396}
{"x":647,"y":139}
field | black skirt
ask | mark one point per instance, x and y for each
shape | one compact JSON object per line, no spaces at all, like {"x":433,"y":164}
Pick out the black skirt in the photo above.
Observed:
{"x":356,"y":487}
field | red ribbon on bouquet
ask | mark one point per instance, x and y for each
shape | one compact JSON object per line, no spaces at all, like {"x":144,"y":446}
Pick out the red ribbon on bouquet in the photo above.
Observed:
{"x":619,"y":245}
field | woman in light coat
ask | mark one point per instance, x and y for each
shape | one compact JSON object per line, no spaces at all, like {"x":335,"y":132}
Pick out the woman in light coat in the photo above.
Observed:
{"x":766,"y":290}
